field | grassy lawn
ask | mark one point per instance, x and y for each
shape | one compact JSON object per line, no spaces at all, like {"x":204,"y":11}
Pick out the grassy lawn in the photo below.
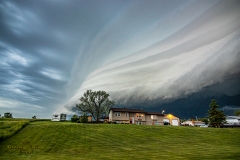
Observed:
{"x":66,"y":140}
{"x":10,"y":127}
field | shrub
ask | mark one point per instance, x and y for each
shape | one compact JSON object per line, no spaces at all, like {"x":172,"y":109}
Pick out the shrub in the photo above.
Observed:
{"x":74,"y":118}
{"x":84,"y":118}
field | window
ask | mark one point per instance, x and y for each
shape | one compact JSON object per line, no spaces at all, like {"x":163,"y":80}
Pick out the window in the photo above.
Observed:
{"x":154,"y":117}
{"x":126,"y":114}
{"x":139,"y":115}
{"x":117,"y":114}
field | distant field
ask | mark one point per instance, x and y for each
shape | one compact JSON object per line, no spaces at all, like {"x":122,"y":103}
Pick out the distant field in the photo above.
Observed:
{"x":66,"y":140}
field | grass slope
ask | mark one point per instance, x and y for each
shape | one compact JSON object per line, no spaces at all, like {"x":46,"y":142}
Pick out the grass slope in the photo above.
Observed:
{"x":9,"y":128}
{"x":65,"y":140}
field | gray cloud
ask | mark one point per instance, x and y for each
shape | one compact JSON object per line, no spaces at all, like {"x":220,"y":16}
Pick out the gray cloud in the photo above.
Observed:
{"x":139,"y":51}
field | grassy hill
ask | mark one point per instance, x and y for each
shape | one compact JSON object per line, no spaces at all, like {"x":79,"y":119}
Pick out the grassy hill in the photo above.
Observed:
{"x":66,"y":140}
{"x":10,"y":127}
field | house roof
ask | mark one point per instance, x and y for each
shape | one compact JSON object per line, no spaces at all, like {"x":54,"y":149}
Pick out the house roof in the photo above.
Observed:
{"x":166,"y":115}
{"x":134,"y":111}
{"x":154,"y":113}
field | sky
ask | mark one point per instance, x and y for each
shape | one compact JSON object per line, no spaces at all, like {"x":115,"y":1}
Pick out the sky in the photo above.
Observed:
{"x":156,"y":54}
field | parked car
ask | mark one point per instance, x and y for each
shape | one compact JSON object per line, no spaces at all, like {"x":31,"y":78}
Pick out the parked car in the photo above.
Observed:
{"x":166,"y":123}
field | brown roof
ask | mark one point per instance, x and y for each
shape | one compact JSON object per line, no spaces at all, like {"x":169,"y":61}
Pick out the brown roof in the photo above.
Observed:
{"x":134,"y":111}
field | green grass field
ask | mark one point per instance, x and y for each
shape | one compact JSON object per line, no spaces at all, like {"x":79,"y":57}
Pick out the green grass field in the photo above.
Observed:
{"x":10,"y":127}
{"x":66,"y":140}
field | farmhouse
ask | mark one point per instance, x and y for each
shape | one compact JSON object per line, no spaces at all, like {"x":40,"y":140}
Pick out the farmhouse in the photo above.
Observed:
{"x":138,"y":116}
{"x":59,"y":117}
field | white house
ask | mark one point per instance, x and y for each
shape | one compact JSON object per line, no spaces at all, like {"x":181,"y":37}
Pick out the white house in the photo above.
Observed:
{"x":59,"y":117}
{"x":233,"y":119}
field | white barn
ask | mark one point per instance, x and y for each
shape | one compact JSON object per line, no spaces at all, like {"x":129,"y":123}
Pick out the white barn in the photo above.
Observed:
{"x":59,"y":117}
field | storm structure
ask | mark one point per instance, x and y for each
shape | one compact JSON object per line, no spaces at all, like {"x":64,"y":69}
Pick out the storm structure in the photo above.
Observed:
{"x":171,"y":55}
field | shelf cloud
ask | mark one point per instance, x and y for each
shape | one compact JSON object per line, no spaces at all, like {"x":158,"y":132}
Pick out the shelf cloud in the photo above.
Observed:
{"x":144,"y":53}
{"x":201,"y":53}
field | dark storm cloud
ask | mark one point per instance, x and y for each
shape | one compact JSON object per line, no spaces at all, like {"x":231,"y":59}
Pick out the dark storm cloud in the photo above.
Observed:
{"x":52,"y":50}
{"x":39,"y":41}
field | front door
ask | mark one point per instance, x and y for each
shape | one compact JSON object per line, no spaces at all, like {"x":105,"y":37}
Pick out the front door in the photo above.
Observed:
{"x":132,"y":120}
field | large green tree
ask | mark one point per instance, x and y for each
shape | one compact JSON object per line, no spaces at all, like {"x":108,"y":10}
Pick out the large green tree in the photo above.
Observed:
{"x":215,"y":116}
{"x":95,"y":102}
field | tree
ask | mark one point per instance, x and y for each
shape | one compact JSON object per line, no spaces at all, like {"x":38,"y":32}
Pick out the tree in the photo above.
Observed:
{"x":216,"y":117}
{"x":96,"y":103}
{"x":84,"y":118}
{"x":34,"y":117}
{"x":237,"y":112}
{"x":8,"y":115}
{"x":205,"y":120}
{"x":74,"y":118}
